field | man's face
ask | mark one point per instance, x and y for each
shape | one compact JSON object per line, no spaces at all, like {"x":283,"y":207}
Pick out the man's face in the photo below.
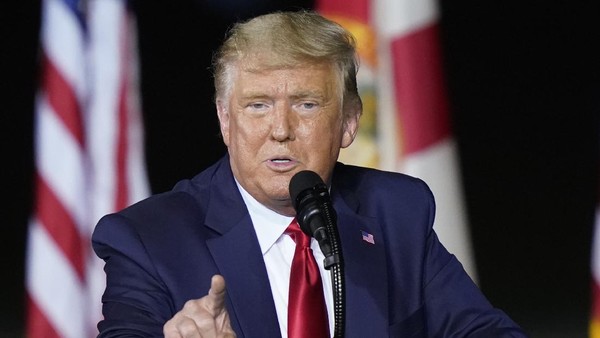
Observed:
{"x":278,"y":122}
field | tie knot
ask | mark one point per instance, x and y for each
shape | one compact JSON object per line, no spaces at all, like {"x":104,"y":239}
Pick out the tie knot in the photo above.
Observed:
{"x":297,"y":234}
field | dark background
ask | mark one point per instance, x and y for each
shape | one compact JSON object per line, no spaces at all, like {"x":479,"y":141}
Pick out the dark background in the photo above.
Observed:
{"x":524,"y":86}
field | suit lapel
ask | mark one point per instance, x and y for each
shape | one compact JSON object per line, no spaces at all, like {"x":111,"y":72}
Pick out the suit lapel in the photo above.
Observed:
{"x":239,"y":259}
{"x":365,"y":271}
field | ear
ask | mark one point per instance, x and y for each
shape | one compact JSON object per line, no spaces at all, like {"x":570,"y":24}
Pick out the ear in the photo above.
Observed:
{"x":223,"y":114}
{"x":350,"y":126}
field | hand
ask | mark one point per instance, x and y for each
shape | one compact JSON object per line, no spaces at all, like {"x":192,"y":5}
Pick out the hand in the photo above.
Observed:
{"x":205,"y":317}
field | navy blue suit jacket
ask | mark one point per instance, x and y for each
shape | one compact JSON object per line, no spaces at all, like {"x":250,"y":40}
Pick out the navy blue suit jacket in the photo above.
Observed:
{"x":163,"y":251}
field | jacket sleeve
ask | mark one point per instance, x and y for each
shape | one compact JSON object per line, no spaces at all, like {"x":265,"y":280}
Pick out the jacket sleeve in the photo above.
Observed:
{"x":135,"y":303}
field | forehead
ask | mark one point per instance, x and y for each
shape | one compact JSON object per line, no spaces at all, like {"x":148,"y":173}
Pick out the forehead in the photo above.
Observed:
{"x":248,"y":75}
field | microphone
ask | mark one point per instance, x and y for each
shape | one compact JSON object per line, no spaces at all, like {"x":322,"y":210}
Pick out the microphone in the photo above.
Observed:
{"x":317,"y":218}
{"x":315,"y":213}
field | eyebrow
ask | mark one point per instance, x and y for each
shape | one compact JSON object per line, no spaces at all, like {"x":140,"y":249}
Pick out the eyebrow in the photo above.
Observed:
{"x":309,"y":93}
{"x":252,"y":95}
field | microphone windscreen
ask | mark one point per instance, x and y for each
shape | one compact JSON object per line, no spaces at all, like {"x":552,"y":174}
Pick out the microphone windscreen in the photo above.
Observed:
{"x":301,"y":181}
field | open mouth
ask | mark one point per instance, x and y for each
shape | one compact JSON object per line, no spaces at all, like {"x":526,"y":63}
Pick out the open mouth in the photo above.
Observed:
{"x":282,"y":164}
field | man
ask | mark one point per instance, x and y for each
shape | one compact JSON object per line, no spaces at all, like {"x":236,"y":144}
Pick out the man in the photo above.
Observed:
{"x":287,"y":101}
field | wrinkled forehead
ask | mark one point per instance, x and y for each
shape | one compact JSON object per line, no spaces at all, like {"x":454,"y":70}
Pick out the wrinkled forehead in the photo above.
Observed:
{"x":258,"y":61}
{"x":266,"y":62}
{"x":327,"y":78}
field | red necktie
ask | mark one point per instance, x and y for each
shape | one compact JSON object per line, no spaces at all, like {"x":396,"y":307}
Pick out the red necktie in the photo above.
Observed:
{"x":307,"y":313}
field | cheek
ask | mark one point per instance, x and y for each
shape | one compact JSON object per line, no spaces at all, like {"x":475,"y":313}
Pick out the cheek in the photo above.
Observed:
{"x":323,"y":138}
{"x":323,"y":126}
{"x":327,"y":130}
{"x":248,"y":131}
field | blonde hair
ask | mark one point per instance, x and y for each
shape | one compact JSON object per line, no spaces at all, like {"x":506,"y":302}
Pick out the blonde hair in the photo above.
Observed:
{"x":287,"y":39}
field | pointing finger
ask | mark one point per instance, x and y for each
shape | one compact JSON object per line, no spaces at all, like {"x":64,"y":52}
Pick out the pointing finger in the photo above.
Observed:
{"x":216,"y":295}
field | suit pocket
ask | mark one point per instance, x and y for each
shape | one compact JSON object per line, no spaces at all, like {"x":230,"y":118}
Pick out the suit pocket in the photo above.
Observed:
{"x":413,"y":326}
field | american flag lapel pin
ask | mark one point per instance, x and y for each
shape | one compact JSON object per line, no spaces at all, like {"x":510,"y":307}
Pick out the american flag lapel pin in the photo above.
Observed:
{"x":367,"y":237}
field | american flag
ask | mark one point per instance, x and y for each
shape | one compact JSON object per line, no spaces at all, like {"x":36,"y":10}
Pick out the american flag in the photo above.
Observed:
{"x":89,"y":158}
{"x":405,"y":126}
{"x":367,"y":237}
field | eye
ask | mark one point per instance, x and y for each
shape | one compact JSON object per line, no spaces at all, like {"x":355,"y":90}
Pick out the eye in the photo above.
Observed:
{"x":257,"y":108}
{"x":309,"y":105}
{"x":307,"y":108}
{"x":257,"y":105}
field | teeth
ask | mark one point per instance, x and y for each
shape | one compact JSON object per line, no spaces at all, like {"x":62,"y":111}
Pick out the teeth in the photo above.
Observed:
{"x":280,"y":160}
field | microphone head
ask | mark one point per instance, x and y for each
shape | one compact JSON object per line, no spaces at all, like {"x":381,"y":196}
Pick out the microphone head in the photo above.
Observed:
{"x":303,"y":181}
{"x":314,"y":210}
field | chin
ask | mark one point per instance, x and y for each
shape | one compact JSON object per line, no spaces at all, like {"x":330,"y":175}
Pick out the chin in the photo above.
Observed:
{"x":280,"y":184}
{"x":281,"y":196}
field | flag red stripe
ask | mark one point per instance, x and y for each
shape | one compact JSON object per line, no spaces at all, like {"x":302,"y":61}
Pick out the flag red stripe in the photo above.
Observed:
{"x":63,"y":100}
{"x":420,"y":93}
{"x":61,"y":226}
{"x":359,"y":9}
{"x":121,"y":160}
{"x":37,"y":323}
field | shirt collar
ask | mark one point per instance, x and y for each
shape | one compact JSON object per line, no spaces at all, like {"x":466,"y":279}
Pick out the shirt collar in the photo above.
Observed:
{"x":268,"y":224}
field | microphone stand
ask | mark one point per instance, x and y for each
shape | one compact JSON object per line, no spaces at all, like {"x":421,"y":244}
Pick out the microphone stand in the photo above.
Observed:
{"x":335,"y":263}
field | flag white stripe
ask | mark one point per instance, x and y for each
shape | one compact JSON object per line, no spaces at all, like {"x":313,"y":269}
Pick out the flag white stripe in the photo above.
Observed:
{"x":400,"y":17}
{"x":60,"y":299}
{"x":437,"y":165}
{"x":136,"y":173}
{"x":106,"y":31}
{"x":137,"y":179}
{"x":96,"y":283}
{"x":105,"y":23}
{"x":387,"y":124}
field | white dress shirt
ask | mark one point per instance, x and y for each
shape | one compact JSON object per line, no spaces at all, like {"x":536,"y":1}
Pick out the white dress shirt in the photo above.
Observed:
{"x":278,"y":251}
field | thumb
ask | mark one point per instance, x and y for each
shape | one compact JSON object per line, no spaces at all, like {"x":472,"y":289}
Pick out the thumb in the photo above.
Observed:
{"x":216,"y":295}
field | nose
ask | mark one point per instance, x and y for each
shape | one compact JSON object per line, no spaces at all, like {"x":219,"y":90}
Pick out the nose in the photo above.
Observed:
{"x":282,"y":128}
